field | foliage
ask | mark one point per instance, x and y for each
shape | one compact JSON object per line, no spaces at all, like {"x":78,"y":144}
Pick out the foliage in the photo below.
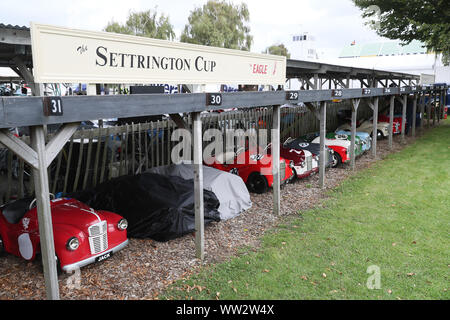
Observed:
{"x":425,"y":20}
{"x":219,"y":24}
{"x":145,"y":24}
{"x":279,"y":50}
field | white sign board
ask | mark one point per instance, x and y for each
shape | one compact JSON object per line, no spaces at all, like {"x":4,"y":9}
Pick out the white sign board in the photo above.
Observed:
{"x":67,"y":55}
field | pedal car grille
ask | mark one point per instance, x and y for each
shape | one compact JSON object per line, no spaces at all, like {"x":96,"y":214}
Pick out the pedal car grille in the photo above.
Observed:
{"x":282,"y":170}
{"x":98,"y":237}
{"x":308,"y":163}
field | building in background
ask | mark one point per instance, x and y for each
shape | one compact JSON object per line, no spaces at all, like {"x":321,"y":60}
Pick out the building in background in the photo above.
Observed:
{"x":303,"y":47}
{"x":392,"y":56}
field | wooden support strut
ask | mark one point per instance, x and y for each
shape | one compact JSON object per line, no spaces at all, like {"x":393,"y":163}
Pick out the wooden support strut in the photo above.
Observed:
{"x":198,"y":188}
{"x":422,"y":112}
{"x":355,"y":105}
{"x":414,"y":116}
{"x":276,"y":158}
{"x":391,"y":121}
{"x":323,"y":153}
{"x":44,"y":214}
{"x":20,"y":148}
{"x":444,"y":101}
{"x":374,"y":106}
{"x":434,"y":95}
{"x":404,"y":102}
{"x":39,"y":157}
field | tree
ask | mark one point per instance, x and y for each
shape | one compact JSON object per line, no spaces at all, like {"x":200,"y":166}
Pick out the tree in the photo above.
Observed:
{"x":219,"y":24}
{"x":279,"y":50}
{"x":425,"y":20}
{"x":145,"y":24}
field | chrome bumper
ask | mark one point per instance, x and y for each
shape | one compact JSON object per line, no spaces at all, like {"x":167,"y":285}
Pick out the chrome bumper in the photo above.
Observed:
{"x":85,"y":262}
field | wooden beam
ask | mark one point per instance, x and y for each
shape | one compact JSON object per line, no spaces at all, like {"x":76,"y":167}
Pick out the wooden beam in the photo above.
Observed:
{"x":404,"y":102}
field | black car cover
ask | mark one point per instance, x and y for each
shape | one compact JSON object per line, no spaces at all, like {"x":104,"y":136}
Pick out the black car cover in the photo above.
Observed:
{"x":156,"y":206}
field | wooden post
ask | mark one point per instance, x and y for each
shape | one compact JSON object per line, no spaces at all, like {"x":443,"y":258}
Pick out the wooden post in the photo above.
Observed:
{"x":355,"y":105}
{"x":434,"y":107}
{"x":414,"y":116}
{"x":375,"y":127}
{"x":405,"y":102}
{"x":198,"y":187}
{"x":44,"y":214}
{"x":444,"y":102}
{"x":323,"y":154}
{"x":422,"y":111}
{"x":276,"y":158}
{"x":391,"y":121}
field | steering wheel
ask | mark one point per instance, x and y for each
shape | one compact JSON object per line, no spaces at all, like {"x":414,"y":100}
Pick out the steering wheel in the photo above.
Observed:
{"x":287,"y":140}
{"x":268,"y":146}
{"x":33,"y":203}
{"x":239,"y":150}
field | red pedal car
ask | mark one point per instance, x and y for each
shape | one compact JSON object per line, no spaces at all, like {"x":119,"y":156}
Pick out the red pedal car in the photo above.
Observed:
{"x":396,"y":123}
{"x":82,"y":235}
{"x":254,"y":167}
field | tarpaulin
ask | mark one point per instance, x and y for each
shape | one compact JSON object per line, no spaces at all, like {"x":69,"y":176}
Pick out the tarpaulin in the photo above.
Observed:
{"x":156,"y":206}
{"x":229,"y":188}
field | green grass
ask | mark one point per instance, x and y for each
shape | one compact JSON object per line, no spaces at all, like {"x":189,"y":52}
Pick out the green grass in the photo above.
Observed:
{"x":394,"y":215}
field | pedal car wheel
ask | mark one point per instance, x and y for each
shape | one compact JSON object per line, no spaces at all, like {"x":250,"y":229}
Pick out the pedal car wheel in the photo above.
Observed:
{"x":336,"y":160}
{"x":257,"y":183}
{"x":379,"y":135}
{"x":2,"y":247}
{"x":294,"y":176}
{"x":59,"y":270}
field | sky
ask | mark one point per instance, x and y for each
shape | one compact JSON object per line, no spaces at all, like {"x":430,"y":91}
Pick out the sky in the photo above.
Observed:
{"x":333,"y":23}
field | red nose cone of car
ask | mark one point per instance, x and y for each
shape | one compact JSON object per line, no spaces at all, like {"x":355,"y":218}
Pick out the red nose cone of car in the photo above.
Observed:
{"x":253,"y":166}
{"x":82,"y":235}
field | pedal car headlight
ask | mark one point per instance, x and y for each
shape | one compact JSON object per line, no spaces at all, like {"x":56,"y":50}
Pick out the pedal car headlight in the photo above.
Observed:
{"x":122,"y":224}
{"x":73,"y":244}
{"x":291,"y":164}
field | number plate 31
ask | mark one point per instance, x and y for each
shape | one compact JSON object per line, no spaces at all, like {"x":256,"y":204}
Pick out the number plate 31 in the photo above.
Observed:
{"x":53,"y":106}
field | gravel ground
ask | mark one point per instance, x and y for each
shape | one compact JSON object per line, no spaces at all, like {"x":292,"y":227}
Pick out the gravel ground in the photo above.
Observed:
{"x":145,"y":267}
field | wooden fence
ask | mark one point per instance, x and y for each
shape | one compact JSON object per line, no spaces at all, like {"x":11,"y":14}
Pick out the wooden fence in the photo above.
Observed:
{"x":93,"y":156}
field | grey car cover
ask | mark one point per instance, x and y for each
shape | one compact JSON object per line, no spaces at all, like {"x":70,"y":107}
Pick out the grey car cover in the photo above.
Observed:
{"x":229,"y":188}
